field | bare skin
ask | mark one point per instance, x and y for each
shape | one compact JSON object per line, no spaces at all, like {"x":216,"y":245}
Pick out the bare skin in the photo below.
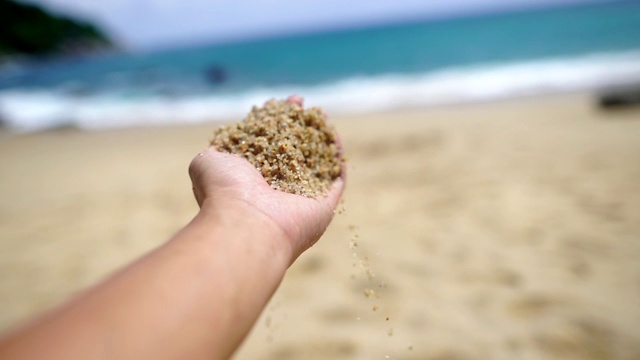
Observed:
{"x":198,"y":295}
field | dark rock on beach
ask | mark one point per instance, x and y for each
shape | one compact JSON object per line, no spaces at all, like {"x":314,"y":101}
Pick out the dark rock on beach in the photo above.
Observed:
{"x":620,"y":97}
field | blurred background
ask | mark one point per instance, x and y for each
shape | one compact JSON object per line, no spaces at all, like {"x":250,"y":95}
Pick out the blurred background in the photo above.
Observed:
{"x":493,"y":203}
{"x":143,"y":61}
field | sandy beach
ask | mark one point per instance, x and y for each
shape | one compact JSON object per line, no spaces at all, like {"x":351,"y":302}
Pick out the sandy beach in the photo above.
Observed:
{"x":482,"y":231}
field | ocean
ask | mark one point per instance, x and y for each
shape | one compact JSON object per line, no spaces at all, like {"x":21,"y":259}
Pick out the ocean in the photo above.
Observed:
{"x":484,"y":57}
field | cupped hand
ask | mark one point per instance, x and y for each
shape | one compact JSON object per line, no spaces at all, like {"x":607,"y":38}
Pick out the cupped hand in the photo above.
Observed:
{"x":225,"y":181}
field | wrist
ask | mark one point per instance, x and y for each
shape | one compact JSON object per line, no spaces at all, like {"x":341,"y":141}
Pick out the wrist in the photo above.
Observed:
{"x":241,"y":221}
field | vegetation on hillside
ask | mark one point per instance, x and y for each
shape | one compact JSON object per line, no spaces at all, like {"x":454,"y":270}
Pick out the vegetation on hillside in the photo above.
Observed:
{"x":30,"y":30}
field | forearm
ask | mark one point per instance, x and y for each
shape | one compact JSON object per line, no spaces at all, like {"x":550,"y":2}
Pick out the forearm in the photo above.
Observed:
{"x":196,"y":297}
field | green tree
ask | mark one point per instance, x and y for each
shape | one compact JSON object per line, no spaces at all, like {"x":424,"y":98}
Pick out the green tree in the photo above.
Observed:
{"x":29,"y":29}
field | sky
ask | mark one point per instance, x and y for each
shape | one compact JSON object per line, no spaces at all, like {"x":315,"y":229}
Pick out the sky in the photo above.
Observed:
{"x":148,"y":24}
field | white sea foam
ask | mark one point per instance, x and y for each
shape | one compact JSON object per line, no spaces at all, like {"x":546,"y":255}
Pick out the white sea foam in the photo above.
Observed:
{"x":33,"y":110}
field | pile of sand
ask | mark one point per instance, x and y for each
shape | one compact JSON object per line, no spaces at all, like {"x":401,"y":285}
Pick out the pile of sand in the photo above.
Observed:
{"x":294,"y":149}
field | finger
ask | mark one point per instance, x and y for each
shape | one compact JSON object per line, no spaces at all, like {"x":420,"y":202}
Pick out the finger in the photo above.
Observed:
{"x":332,"y":198}
{"x":195,"y":174}
{"x":295,"y":99}
{"x":341,"y":157}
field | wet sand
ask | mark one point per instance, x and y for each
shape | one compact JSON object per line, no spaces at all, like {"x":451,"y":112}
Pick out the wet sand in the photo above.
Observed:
{"x":497,"y":230}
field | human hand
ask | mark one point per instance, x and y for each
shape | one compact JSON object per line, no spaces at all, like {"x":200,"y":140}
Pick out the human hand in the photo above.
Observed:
{"x":228,"y":184}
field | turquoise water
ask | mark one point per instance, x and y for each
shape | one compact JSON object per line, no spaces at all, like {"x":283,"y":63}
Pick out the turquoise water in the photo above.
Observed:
{"x":587,"y":46}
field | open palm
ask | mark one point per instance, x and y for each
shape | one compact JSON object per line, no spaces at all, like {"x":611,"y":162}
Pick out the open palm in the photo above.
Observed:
{"x":221,"y":180}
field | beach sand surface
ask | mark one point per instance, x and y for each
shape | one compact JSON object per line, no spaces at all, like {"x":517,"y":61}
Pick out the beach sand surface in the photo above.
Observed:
{"x":496,"y":230}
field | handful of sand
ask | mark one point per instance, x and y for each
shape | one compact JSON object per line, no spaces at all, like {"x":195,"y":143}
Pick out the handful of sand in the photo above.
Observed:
{"x":294,"y":149}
